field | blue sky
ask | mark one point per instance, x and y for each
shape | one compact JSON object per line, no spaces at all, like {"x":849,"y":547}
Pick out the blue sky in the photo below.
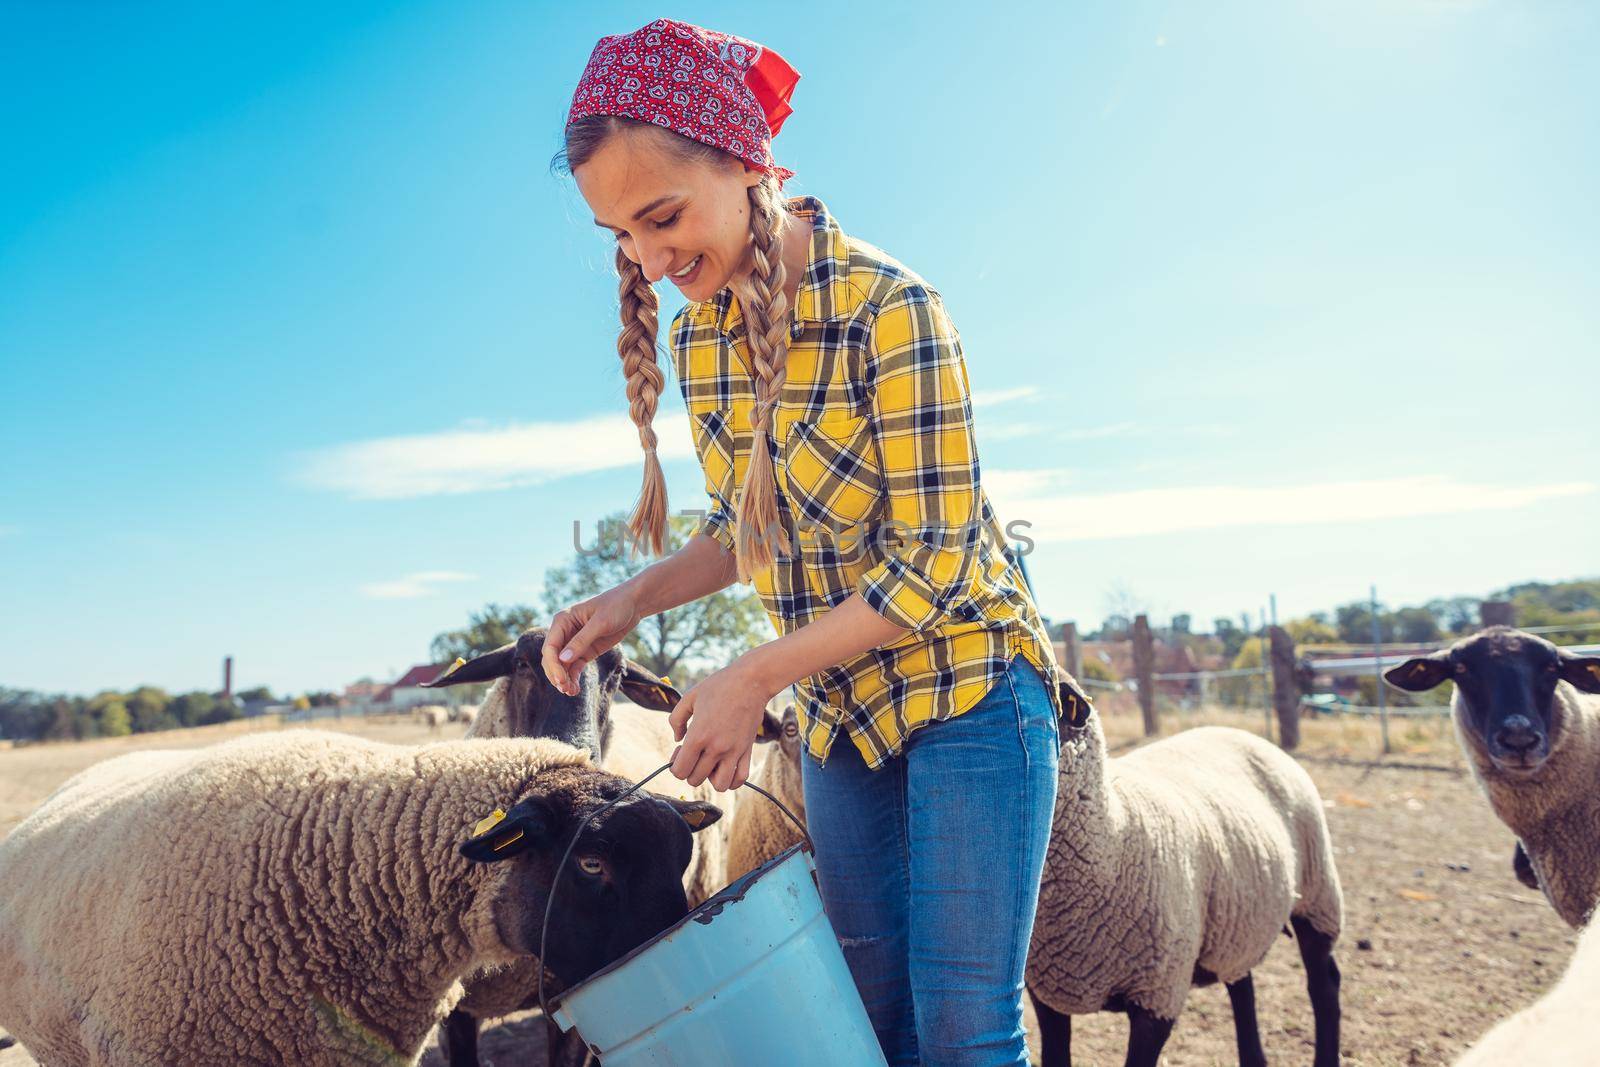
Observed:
{"x":306,"y":354}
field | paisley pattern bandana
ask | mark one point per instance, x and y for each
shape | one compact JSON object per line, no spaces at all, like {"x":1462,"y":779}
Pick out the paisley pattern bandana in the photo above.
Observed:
{"x":713,"y":87}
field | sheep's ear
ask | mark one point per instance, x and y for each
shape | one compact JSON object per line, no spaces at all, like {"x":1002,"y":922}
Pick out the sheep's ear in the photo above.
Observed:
{"x":1075,"y":706}
{"x":1420,"y":674}
{"x":697,"y":813}
{"x":646,"y":690}
{"x":485,"y":668}
{"x":771,"y":728}
{"x":1582,"y":672}
{"x":501,"y":835}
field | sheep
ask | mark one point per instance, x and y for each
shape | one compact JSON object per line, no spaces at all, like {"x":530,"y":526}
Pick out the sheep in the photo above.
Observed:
{"x":756,"y":830}
{"x":627,"y":739}
{"x":1177,"y":865}
{"x":1559,"y":1029}
{"x":1526,"y":717}
{"x":433,"y":716}
{"x":314,"y":898}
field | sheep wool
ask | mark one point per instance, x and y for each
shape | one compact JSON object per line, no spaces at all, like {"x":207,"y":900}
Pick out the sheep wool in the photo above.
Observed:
{"x":757,"y":830}
{"x":1554,"y":810}
{"x":291,"y":897}
{"x":1189,"y":853}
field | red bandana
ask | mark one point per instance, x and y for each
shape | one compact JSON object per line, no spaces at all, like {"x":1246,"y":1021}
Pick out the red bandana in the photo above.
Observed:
{"x":713,"y":87}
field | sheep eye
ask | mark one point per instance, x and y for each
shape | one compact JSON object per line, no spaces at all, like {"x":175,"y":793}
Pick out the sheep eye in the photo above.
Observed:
{"x":591,"y":865}
{"x":1461,"y":668}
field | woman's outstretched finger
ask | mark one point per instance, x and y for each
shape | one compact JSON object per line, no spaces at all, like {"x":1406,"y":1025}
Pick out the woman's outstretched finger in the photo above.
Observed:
{"x":742,"y":775}
{"x":560,"y":631}
{"x":679,"y":719}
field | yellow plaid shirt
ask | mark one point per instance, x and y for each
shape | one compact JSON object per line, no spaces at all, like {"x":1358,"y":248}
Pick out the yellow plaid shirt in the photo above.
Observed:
{"x":878,"y":490}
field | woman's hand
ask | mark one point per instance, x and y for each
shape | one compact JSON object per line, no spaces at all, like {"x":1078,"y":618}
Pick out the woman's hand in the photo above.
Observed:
{"x":717,"y":722}
{"x":580,"y":633}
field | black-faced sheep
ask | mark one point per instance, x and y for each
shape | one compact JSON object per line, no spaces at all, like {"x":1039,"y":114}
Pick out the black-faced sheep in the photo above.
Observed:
{"x":628,"y":739}
{"x":1175,"y":865}
{"x":314,"y":898}
{"x":1527,"y":719}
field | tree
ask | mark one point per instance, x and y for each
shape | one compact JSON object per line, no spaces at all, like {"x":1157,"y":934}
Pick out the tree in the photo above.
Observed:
{"x":1355,"y":623}
{"x":1312,"y":630}
{"x":1415,"y":625}
{"x":260,"y":692}
{"x":147,"y":706}
{"x":486,"y":631}
{"x":190,"y":709}
{"x":715,"y":628}
{"x":1181,"y":623}
{"x":110,"y":714}
{"x":1228,"y":632}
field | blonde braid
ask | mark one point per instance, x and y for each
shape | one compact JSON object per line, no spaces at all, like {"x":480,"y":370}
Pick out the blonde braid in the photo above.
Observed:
{"x":636,"y":344}
{"x":767,"y":317}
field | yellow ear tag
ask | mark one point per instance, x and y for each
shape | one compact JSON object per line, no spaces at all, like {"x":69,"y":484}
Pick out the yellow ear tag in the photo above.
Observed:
{"x":665,"y":680}
{"x":1594,"y":670}
{"x":694,"y":818}
{"x":1419,"y":668}
{"x":509,"y":841}
{"x":456,"y":666}
{"x":488,"y":822}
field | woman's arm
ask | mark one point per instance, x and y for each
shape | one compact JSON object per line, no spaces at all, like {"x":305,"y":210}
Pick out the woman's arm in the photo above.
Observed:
{"x":726,"y":707}
{"x":586,"y":629}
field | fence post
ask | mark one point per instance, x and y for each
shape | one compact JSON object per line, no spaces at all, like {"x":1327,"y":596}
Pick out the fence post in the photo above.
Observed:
{"x":1144,"y":667}
{"x":1496,"y":613}
{"x":1069,"y":636}
{"x":1285,"y":690}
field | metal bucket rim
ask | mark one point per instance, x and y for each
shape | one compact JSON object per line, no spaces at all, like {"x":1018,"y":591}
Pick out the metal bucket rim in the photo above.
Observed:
{"x":714,"y":903}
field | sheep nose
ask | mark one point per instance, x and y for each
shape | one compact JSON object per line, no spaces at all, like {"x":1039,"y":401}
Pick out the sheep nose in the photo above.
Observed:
{"x":1517,"y":734}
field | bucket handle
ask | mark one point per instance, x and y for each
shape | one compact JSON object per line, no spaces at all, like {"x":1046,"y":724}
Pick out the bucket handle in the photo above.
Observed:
{"x":593,"y":820}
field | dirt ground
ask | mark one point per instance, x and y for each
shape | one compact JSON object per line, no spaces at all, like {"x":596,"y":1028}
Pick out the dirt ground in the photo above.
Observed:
{"x":1440,"y":940}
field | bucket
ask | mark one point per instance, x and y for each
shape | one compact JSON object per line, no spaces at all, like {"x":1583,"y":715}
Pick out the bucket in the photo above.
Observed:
{"x":753,"y":975}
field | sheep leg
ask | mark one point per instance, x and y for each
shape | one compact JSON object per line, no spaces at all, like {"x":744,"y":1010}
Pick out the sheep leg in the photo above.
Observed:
{"x":1322,"y":981}
{"x":1055,"y":1034}
{"x":458,"y":1039}
{"x":1242,"y":995}
{"x":1147,"y":1036}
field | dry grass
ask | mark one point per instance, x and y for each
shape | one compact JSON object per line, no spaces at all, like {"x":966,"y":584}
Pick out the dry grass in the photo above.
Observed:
{"x":1455,"y":943}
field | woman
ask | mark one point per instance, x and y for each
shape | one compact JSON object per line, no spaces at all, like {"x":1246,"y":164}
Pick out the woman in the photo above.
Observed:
{"x":831,"y":415}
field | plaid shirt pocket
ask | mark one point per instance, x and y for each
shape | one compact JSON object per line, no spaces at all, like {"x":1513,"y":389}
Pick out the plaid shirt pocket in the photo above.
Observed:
{"x":834,"y":488}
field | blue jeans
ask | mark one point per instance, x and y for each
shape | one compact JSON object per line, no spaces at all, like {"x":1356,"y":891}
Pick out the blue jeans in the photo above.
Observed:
{"x":929,"y":869}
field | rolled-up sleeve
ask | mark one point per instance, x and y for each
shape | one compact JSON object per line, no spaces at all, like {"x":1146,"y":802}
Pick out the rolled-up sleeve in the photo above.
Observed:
{"x":717,"y":522}
{"x":921,"y":410}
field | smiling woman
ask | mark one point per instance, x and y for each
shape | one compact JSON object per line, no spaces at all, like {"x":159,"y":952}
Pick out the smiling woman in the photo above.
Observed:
{"x":832,"y":417}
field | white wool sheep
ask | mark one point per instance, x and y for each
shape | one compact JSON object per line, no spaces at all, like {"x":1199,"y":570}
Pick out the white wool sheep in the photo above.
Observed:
{"x":1561,"y":1029}
{"x":756,"y":829}
{"x":1528,"y":720}
{"x":433,"y":716}
{"x":1179,"y":864}
{"x":307,"y":897}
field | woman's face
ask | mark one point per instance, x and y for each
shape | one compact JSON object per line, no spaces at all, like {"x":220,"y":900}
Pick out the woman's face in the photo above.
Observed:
{"x":688,"y":222}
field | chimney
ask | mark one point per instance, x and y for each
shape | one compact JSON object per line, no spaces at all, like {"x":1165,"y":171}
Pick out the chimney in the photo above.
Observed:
{"x":227,"y":677}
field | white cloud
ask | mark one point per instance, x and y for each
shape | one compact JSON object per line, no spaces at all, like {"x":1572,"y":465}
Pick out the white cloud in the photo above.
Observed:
{"x":1095,"y":433}
{"x":476,"y":459}
{"x":412,"y":586}
{"x":988,"y":397}
{"x":1057,"y":516}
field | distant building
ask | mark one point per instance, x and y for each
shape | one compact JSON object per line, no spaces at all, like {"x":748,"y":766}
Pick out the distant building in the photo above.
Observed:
{"x":407,"y":691}
{"x":361,"y":694}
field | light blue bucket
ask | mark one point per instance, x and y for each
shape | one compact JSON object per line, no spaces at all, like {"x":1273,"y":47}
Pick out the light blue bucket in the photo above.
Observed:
{"x":753,"y":975}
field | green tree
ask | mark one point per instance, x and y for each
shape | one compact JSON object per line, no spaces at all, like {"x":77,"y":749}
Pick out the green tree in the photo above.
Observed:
{"x":714,"y":628}
{"x":148,"y":708}
{"x":1355,"y":623}
{"x":1311,"y":631}
{"x":190,"y":709}
{"x":114,"y":720}
{"x":485,"y":631}
{"x":1415,"y":625}
{"x":260,"y":692}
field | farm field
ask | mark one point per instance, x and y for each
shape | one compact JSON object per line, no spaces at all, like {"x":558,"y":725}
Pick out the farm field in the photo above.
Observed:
{"x":1455,"y":943}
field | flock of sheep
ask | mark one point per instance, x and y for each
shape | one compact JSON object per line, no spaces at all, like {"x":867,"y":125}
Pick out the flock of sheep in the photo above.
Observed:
{"x":311,"y":898}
